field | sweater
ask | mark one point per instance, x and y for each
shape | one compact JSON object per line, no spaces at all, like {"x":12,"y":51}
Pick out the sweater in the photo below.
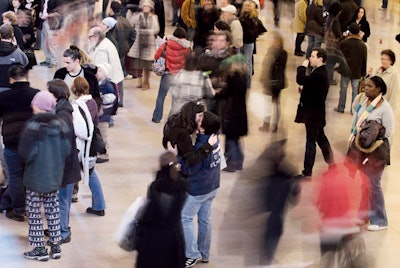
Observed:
{"x":10,"y":55}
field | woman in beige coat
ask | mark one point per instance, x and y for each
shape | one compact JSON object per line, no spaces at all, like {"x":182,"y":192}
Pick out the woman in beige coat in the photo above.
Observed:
{"x":142,"y":51}
{"x":299,"y":25}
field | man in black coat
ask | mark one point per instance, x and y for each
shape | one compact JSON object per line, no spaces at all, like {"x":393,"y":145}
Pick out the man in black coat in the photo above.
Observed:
{"x":311,"y":109}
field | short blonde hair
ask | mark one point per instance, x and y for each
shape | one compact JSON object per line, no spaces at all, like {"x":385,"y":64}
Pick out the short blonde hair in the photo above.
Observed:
{"x":10,"y":15}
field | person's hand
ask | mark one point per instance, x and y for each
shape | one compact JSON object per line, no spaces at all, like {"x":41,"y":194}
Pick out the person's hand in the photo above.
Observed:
{"x":213,"y":139}
{"x":171,"y":148}
{"x":306,"y":63}
{"x":300,"y":89}
{"x":361,"y":34}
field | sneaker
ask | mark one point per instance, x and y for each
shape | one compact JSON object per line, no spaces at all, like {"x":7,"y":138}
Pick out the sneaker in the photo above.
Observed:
{"x":375,"y":227}
{"x":62,"y":241}
{"x":338,"y":110}
{"x":38,"y":253}
{"x":101,"y":160}
{"x":191,"y":262}
{"x":14,"y":216}
{"x":44,"y":63}
{"x":128,"y":77}
{"x":205,"y":260}
{"x":74,"y":198}
{"x":95,"y":212}
{"x":155,"y":121}
{"x":55,"y":251}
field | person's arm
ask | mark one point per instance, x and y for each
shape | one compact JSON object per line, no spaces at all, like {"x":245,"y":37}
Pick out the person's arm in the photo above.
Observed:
{"x":26,"y":148}
{"x":388,"y":120}
{"x":160,"y":51}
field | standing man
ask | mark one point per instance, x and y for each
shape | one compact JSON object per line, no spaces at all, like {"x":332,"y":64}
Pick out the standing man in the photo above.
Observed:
{"x":311,"y":109}
{"x":355,"y":53}
{"x":15,"y":109}
{"x":229,"y":16}
{"x":102,"y":50}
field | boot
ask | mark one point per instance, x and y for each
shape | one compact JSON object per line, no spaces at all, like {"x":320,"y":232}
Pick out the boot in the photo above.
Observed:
{"x":264,"y":127}
{"x":146,"y":83}
{"x":139,"y":83}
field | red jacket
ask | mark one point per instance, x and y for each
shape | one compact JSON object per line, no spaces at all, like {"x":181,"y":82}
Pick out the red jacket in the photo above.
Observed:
{"x":177,"y":49}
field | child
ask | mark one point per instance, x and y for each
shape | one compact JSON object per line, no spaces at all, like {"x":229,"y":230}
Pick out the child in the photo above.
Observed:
{"x":44,"y":137}
{"x":204,"y":179}
{"x":109,"y":104}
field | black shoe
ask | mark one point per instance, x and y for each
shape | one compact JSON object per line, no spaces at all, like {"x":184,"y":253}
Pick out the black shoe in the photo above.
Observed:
{"x":44,"y":63}
{"x":38,"y":253}
{"x":95,"y":212}
{"x":74,"y":198}
{"x":120,"y":105}
{"x":155,"y":121}
{"x":299,"y":54}
{"x":338,"y":110}
{"x":229,"y":169}
{"x":55,"y":251}
{"x":191,"y":262}
{"x":302,"y":177}
{"x":14,"y":216}
{"x":101,"y":160}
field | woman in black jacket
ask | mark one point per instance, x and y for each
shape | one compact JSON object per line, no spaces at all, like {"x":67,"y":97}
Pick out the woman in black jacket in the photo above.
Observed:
{"x":360,"y":17}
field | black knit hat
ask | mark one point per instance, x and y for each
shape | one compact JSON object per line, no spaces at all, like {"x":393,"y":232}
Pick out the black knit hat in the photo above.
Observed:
{"x":211,"y":123}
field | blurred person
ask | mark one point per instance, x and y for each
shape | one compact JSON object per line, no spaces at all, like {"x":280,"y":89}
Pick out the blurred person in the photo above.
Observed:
{"x":159,"y":11}
{"x":372,"y":128}
{"x":341,"y":241}
{"x":109,"y":106}
{"x":273,"y":79}
{"x":25,"y":23}
{"x":42,"y":178}
{"x":188,"y":17}
{"x":63,"y":110}
{"x":17,"y":5}
{"x":161,"y":242}
{"x":190,"y":84}
{"x":252,"y":28}
{"x":206,"y":16}
{"x":143,"y":50}
{"x":16,"y":110}
{"x":178,"y":130}
{"x":176,"y":49}
{"x":229,"y":16}
{"x":277,"y":12}
{"x":348,"y":9}
{"x":311,"y":109}
{"x":314,"y":26}
{"x":11,"y":55}
{"x":390,"y":76}
{"x":102,"y":50}
{"x":355,"y":53}
{"x":203,"y":180}
{"x":221,"y":25}
{"x":299,"y":25}
{"x":360,"y":17}
{"x":10,"y":18}
{"x":85,"y":118}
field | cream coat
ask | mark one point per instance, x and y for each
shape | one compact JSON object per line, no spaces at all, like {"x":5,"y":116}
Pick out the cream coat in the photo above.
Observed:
{"x":391,"y":77}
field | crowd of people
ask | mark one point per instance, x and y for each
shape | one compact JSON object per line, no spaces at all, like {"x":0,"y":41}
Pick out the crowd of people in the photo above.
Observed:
{"x":209,"y":66}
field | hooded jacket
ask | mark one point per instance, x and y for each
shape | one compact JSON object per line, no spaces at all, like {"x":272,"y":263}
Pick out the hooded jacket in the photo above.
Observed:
{"x":10,"y":55}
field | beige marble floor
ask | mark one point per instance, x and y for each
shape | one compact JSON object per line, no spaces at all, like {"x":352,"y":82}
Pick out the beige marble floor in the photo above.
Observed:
{"x":136,"y":144}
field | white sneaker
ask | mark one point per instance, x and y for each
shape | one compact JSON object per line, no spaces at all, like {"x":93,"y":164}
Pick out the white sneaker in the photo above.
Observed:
{"x":375,"y":227}
{"x":128,"y":77}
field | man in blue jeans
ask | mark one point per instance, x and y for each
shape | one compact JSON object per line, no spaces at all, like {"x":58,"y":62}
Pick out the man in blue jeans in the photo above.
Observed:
{"x":204,"y":179}
{"x":15,"y":109}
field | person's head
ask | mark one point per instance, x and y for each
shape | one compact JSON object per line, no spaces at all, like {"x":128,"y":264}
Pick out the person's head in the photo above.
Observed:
{"x":228,"y":12}
{"x":334,"y":9}
{"x":224,"y":3}
{"x":9,"y":17}
{"x":103,"y":71}
{"x":191,"y":62}
{"x":17,"y":73}
{"x":115,"y":8}
{"x":211,"y":124}
{"x":359,"y":14}
{"x":179,"y":33}
{"x":43,"y":101}
{"x":18,"y":3}
{"x":170,"y":161}
{"x":6,"y":32}
{"x":207,"y":4}
{"x":58,"y":88}
{"x":388,"y":58}
{"x":71,"y":59}
{"x":222,"y":40}
{"x":277,"y":39}
{"x":374,"y":86}
{"x":147,"y":6}
{"x":249,"y":7}
{"x":318,"y":57}
{"x":221,"y":25}
{"x":191,"y":115}
{"x":354,"y":28}
{"x":95,"y":36}
{"x":80,"y":87}
{"x":107,"y":24}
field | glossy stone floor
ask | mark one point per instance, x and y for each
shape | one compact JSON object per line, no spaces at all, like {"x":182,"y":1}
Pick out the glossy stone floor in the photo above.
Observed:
{"x":136,"y":144}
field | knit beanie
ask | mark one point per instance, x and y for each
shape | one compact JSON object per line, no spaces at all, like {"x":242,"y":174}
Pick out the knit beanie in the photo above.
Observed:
{"x":110,"y":22}
{"x":44,"y":100}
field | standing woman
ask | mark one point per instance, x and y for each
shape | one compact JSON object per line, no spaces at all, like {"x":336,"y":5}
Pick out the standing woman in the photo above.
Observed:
{"x":252,"y":28}
{"x":142,"y":51}
{"x":372,"y":158}
{"x":360,"y":17}
{"x":206,"y":16}
{"x":85,"y":117}
{"x":314,"y":26}
{"x":299,"y":25}
{"x":176,"y":48}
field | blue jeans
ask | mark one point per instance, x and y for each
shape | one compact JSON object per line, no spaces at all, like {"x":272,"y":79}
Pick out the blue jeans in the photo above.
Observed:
{"x":344,"y":82}
{"x":65,"y":196}
{"x":377,"y":214}
{"x":248,"y":54}
{"x":234,"y":153}
{"x":165,"y":81}
{"x":98,"y":202}
{"x":314,"y":40}
{"x":199,"y":205}
{"x":14,"y":196}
